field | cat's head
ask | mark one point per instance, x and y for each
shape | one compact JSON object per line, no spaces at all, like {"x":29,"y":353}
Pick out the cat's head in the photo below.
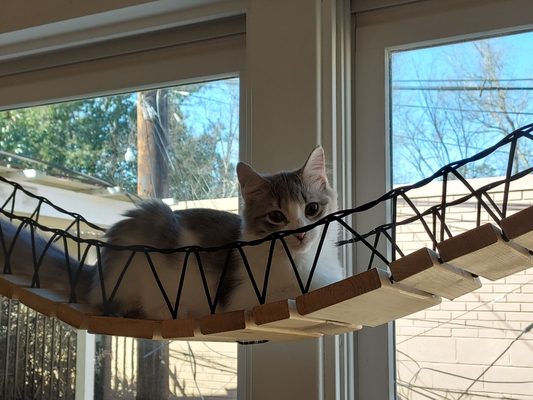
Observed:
{"x":287,"y":200}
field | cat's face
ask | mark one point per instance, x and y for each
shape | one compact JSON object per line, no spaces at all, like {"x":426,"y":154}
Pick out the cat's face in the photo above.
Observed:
{"x":287,"y":201}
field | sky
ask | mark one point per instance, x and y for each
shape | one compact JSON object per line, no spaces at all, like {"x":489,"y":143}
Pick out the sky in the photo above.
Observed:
{"x":430,"y":103}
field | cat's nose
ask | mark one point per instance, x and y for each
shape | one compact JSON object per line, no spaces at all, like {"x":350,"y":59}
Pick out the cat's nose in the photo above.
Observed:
{"x":300,"y":236}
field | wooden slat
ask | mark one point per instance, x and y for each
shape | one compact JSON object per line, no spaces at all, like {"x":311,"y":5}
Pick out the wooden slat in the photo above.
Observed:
{"x":76,"y":314}
{"x":129,"y":327}
{"x":368,"y":298}
{"x":519,"y":227}
{"x":283,"y":315}
{"x":44,"y":301}
{"x":239,"y":326}
{"x":482,"y":251}
{"x":10,"y":284}
{"x":178,"y":329}
{"x":422,"y":270}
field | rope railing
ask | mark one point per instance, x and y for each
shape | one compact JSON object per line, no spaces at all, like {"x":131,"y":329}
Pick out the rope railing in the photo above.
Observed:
{"x":377,"y":242}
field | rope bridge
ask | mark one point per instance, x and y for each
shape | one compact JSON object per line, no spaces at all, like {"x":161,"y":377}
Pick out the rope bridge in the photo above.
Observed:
{"x":394,"y":284}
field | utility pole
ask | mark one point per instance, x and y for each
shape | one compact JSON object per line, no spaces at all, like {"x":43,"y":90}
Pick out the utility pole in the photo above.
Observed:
{"x":152,"y":181}
{"x":152,"y":144}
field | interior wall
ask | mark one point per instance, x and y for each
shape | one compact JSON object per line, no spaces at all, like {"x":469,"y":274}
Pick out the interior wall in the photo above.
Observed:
{"x":288,"y":93}
{"x":15,"y":17}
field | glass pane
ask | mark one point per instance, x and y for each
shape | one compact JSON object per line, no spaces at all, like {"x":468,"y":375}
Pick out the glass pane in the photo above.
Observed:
{"x":448,"y":103}
{"x":97,"y":157}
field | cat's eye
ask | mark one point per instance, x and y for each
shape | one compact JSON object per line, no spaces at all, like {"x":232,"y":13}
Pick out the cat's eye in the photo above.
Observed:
{"x":312,"y":209}
{"x":276,"y":217}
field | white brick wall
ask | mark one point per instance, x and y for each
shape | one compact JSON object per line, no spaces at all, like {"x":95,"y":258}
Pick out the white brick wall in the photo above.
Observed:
{"x":442,"y":351}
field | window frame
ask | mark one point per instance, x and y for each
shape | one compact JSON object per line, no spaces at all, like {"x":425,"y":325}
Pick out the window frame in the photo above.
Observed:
{"x":307,"y":59}
{"x":390,"y":26}
{"x":204,"y":51}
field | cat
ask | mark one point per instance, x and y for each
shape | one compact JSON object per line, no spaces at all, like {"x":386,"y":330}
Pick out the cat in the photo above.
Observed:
{"x":271,"y":203}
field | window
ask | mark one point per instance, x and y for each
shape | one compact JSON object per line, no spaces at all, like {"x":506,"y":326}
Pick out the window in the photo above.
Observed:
{"x":386,"y":34}
{"x":294,"y":79}
{"x":450,"y":102}
{"x":178,"y":143}
{"x":207,"y":60}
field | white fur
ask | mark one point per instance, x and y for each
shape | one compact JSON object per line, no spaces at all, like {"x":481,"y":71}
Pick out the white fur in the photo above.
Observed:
{"x":139,"y":287}
{"x":282,"y":282}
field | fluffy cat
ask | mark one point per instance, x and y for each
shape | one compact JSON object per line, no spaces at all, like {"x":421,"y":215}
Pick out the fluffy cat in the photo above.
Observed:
{"x":272,"y":203}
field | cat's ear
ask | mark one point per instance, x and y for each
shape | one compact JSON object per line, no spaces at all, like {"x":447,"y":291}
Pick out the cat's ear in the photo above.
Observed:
{"x":314,"y":169}
{"x":251,"y":182}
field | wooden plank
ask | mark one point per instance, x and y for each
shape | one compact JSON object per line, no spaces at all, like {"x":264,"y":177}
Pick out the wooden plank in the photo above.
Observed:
{"x":10,"y":284}
{"x":239,"y":326}
{"x":368,"y":298}
{"x":178,"y":329}
{"x":44,"y":301}
{"x":519,"y":227}
{"x":76,"y":314}
{"x":129,"y":327}
{"x":284,"y":315}
{"x":422,"y":270}
{"x":484,"y":252}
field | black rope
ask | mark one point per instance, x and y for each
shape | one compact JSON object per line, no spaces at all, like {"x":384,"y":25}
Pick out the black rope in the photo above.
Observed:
{"x":443,"y":215}
{"x":204,"y":281}
{"x":371,"y":239}
{"x":221,"y":280}
{"x":317,"y":256}
{"x":293,"y":265}
{"x":158,"y":281}
{"x":510,"y":161}
{"x":174,"y":313}
{"x":121,"y":276}
{"x":262,"y":299}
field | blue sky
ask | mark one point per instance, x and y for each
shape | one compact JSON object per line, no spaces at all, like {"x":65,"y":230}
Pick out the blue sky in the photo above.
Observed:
{"x":436,"y":93}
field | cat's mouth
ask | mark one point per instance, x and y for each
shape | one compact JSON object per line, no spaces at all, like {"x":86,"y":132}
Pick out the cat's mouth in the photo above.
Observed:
{"x":300,"y":241}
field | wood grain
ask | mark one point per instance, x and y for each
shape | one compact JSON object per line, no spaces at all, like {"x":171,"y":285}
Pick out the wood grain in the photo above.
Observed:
{"x":239,"y":326}
{"x":178,"y":329}
{"x":368,"y":298}
{"x":482,"y":251}
{"x":129,"y":327}
{"x":76,"y":314}
{"x":11,"y":283}
{"x":41,"y":300}
{"x":284,"y":315}
{"x":422,"y":270}
{"x":519,"y":227}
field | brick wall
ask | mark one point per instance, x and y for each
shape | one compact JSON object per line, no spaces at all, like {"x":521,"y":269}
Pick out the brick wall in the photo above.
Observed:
{"x":469,"y":347}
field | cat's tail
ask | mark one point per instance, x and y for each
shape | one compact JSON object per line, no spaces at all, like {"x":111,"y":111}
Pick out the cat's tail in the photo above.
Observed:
{"x":23,"y":252}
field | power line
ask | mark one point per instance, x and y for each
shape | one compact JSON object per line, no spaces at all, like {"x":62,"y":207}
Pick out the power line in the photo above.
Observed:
{"x":466,"y":312}
{"x":450,"y":144}
{"x":463,"y":88}
{"x":463,"y":109}
{"x":466,"y":378}
{"x":526,"y":330}
{"x":462,"y":80}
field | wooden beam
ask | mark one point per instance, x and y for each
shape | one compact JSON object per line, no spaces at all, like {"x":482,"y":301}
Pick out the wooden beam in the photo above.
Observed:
{"x":178,"y":328}
{"x":422,"y":270}
{"x":519,"y":227}
{"x":44,"y":301}
{"x":76,"y":314}
{"x":239,"y":326}
{"x":484,"y":252}
{"x":10,"y":284}
{"x":129,"y":327}
{"x":284,"y":315}
{"x":368,"y":298}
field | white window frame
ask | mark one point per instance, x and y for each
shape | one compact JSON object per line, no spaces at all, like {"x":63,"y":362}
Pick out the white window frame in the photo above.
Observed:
{"x":296,"y":67}
{"x":381,"y":27}
{"x":183,"y":54}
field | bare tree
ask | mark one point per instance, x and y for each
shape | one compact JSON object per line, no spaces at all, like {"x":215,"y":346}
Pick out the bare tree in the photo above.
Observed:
{"x":446,"y":116}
